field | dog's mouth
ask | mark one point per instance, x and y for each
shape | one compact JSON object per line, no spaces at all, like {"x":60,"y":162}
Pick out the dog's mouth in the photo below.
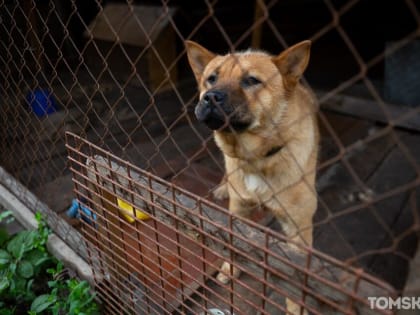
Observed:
{"x":237,"y":126}
{"x":214,"y":123}
{"x":215,"y":120}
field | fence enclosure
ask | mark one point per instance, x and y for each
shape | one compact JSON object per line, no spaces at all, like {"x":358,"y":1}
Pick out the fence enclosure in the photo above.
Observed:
{"x":97,"y":103}
{"x":154,"y":266}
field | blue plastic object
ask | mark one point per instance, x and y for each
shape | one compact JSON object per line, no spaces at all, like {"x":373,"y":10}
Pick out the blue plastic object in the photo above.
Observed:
{"x":41,"y":102}
{"x":84,"y":213}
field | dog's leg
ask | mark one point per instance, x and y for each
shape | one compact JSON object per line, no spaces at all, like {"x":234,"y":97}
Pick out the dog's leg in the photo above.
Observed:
{"x":227,"y":271}
{"x":221,"y":192}
{"x":303,"y":237}
{"x":298,"y":232}
{"x":295,"y":217}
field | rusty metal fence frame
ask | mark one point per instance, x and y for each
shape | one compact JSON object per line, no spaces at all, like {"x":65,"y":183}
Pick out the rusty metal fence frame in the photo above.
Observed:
{"x":315,"y":281}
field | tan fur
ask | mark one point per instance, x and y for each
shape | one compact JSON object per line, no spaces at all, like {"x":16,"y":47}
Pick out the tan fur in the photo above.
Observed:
{"x":283,"y":114}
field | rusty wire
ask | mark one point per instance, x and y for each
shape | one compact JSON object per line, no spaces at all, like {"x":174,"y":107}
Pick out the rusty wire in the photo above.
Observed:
{"x":34,"y":150}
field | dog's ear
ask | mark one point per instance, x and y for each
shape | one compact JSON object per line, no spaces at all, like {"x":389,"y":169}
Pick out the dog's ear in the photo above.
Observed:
{"x":198,"y":57}
{"x":293,"y":61}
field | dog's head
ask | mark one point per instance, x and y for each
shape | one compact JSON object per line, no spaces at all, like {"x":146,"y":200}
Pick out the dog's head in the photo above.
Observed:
{"x":239,"y":91}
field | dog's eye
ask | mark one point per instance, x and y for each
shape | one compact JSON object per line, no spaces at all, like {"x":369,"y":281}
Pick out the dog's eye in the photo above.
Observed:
{"x":250,"y":81}
{"x":212,"y":79}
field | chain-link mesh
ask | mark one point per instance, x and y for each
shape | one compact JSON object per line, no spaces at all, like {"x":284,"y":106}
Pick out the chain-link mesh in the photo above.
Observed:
{"x":116,"y":75}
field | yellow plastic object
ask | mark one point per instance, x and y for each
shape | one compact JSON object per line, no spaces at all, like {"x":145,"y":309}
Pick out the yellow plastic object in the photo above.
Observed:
{"x":127,"y":211}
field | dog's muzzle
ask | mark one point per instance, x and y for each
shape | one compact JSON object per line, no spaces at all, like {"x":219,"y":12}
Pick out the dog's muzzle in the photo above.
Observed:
{"x":210,"y":109}
{"x":214,"y":111}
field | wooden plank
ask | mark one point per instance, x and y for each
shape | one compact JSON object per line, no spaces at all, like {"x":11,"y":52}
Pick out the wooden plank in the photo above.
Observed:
{"x":347,"y":131}
{"x":164,"y":196}
{"x":66,"y":244}
{"x":412,"y":288}
{"x":401,"y":248}
{"x":339,"y":123}
{"x":134,"y":25}
{"x":396,"y":212}
{"x":381,"y":173}
{"x":62,"y":228}
{"x":338,"y":191}
{"x":372,"y":110}
{"x":376,"y":218}
{"x":362,"y":154}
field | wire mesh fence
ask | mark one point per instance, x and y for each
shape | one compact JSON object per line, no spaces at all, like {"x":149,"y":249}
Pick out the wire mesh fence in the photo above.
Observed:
{"x":155,"y":265}
{"x":115,"y":77}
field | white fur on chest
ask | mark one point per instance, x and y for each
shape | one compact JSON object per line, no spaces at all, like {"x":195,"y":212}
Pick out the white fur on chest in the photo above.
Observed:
{"x":254,"y":183}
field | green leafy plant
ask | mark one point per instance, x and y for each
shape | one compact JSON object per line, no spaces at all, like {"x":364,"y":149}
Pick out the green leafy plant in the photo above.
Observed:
{"x":22,"y":259}
{"x":30,"y":276}
{"x":66,"y":297}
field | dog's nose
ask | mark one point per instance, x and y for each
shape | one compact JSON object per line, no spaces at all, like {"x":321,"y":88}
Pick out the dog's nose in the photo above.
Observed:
{"x":211,"y":109}
{"x":214,"y":98}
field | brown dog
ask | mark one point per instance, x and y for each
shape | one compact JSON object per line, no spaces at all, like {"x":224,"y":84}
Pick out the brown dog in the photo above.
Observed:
{"x":264,"y":122}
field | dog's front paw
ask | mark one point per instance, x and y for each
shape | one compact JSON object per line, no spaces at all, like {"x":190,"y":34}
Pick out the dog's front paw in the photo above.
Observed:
{"x":221,"y":192}
{"x":222,"y":278}
{"x":225,"y":271}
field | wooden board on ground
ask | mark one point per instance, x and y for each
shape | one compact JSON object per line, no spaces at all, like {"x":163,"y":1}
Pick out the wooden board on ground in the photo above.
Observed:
{"x":398,"y":115}
{"x":381,"y":166}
